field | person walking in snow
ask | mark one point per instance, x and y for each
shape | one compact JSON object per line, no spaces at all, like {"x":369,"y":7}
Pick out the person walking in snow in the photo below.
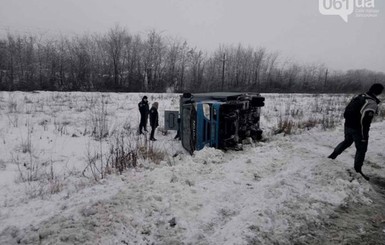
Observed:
{"x":144,"y":110}
{"x":154,"y":119}
{"x":358,"y":117}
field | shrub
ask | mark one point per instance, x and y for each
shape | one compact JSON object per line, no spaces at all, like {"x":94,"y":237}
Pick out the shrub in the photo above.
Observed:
{"x":285,"y":125}
{"x":99,"y":119}
{"x":122,"y":155}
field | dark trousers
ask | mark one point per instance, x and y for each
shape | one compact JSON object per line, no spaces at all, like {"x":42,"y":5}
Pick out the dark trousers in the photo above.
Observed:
{"x":152,"y":132}
{"x":143,"y":124}
{"x":353,"y":135}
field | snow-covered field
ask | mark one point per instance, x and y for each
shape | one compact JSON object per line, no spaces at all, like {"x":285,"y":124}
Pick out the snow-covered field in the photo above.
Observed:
{"x":57,"y":187}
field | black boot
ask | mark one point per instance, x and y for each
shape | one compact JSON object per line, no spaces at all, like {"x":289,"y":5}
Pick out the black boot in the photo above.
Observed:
{"x":358,"y":170}
{"x":333,"y":156}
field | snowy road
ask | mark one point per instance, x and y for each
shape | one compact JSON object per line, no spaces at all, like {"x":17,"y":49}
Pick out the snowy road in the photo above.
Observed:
{"x":284,"y":191}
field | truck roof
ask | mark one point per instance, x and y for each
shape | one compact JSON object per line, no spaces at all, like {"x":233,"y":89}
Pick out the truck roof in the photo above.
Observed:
{"x":220,"y":96}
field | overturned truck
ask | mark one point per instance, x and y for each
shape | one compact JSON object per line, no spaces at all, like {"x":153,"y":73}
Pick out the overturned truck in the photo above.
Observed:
{"x":220,"y":120}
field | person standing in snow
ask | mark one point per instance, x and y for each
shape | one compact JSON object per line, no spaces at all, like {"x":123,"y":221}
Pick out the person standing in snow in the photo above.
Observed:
{"x":154,"y":119}
{"x":143,"y":109}
{"x":358,"y":117}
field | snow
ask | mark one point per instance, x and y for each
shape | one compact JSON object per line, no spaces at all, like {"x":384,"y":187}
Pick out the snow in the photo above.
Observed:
{"x":281,"y":190}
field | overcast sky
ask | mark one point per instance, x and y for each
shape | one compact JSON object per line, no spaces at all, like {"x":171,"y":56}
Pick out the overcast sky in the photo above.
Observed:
{"x":294,"y":28}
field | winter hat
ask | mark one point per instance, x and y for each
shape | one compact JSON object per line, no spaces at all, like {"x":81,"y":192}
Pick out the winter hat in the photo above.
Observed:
{"x":144,"y":97}
{"x":376,"y":89}
{"x":155,"y":104}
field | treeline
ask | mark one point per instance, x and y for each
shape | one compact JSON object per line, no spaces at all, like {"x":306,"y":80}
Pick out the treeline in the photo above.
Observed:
{"x":120,"y":61}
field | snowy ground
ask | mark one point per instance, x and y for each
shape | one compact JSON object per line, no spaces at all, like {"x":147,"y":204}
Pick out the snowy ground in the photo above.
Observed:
{"x":280,"y":191}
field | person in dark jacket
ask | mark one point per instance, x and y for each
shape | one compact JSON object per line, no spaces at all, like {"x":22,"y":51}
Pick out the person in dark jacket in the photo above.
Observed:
{"x":144,"y":110}
{"x":357,"y":125}
{"x":154,"y":119}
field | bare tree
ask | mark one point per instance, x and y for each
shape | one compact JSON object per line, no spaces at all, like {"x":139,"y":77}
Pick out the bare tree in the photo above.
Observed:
{"x":154,"y":53}
{"x":258,"y":58}
{"x":114,"y":46}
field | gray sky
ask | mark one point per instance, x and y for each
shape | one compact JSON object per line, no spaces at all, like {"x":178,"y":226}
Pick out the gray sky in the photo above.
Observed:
{"x":294,"y":28}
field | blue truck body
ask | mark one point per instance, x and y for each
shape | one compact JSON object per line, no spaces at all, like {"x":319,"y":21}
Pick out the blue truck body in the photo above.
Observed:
{"x":220,"y":120}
